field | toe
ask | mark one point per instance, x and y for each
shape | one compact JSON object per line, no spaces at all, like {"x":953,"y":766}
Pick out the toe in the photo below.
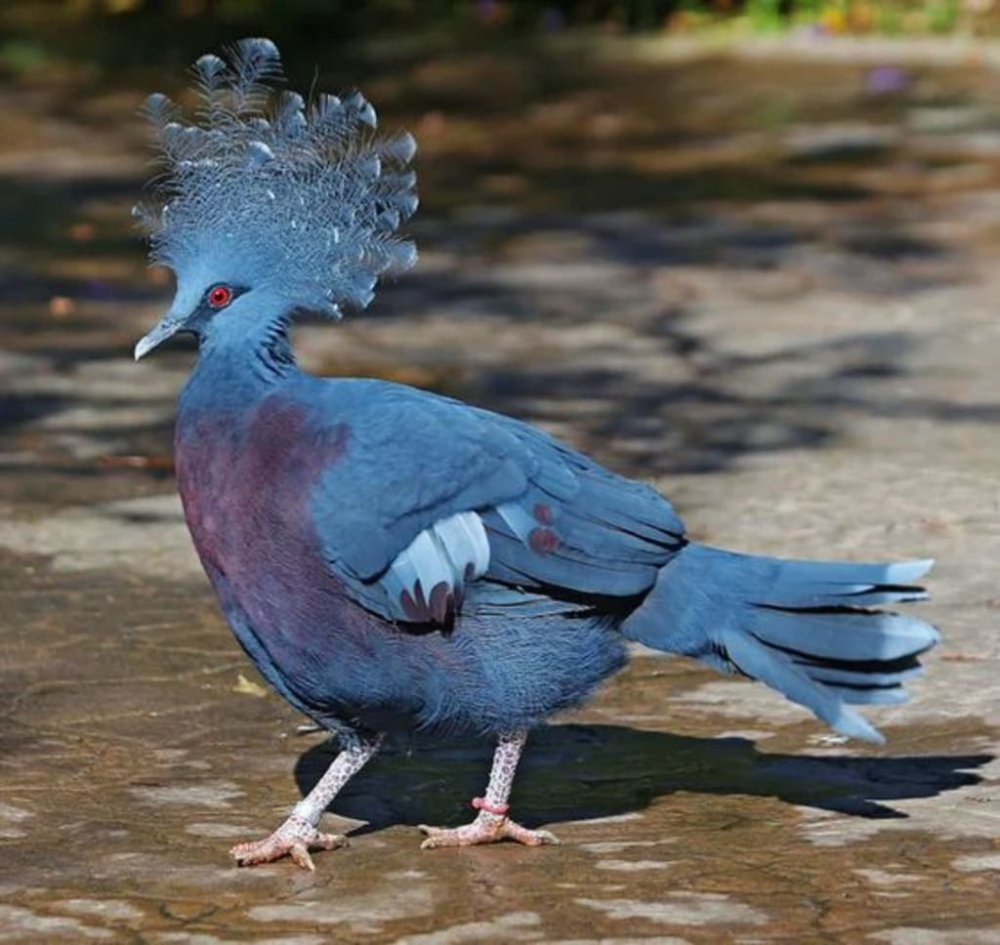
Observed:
{"x":530,"y":838}
{"x":329,"y":841}
{"x":242,"y":853}
{"x":436,"y":837}
{"x":300,"y":856}
{"x":477,"y":833}
{"x":441,"y":841}
{"x":246,"y":857}
{"x":433,"y":835}
{"x":285,"y":843}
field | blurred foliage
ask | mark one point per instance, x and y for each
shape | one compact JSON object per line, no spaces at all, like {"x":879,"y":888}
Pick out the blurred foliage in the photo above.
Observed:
{"x":343,"y":19}
{"x":100,"y":44}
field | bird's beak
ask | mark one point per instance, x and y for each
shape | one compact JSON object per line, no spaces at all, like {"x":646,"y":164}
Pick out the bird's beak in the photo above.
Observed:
{"x":168,"y":326}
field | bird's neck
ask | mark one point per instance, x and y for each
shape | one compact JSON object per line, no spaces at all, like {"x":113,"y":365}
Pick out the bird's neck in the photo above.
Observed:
{"x":233,"y":373}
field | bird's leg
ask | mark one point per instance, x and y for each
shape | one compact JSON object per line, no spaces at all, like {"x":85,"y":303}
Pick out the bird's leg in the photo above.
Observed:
{"x":491,"y":824}
{"x":299,"y":834}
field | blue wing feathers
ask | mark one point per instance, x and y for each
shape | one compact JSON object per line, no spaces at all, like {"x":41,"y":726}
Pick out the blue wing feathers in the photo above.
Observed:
{"x":554,"y":517}
{"x":411,"y":460}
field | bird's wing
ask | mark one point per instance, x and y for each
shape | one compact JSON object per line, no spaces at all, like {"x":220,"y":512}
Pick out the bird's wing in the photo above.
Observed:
{"x":432,"y":496}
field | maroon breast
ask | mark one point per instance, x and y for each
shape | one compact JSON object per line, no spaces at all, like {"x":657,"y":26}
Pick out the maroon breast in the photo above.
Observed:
{"x":245,"y":488}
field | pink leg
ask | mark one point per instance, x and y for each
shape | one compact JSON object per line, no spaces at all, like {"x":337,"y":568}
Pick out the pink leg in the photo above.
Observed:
{"x":298,"y":834}
{"x":491,"y":825}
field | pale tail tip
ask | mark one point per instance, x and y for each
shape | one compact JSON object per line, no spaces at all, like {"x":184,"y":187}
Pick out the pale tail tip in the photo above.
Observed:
{"x":853,"y":724}
{"x":906,"y":572}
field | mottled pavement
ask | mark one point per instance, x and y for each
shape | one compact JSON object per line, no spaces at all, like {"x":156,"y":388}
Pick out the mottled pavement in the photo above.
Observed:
{"x":777,"y":302}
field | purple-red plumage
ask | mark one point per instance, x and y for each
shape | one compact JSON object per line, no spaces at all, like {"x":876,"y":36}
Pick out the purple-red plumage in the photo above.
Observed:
{"x":543,"y":513}
{"x":543,"y":541}
{"x":245,"y":485}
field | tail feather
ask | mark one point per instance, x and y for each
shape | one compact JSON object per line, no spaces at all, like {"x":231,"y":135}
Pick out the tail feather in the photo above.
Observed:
{"x":877,"y":677}
{"x":756,"y":660}
{"x":840,"y":633}
{"x":803,"y":584}
{"x":804,"y":628}
{"x":872,"y":695}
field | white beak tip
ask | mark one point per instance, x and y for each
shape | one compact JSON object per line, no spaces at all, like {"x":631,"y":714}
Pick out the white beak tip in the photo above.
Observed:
{"x":167,"y":328}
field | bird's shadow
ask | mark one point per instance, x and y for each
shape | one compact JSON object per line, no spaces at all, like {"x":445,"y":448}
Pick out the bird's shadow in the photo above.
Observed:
{"x":580,"y":772}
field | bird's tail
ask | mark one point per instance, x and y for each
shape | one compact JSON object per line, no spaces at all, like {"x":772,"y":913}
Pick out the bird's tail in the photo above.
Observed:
{"x":805,"y":628}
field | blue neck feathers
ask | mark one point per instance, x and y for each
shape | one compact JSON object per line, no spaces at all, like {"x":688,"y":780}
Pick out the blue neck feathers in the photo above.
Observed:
{"x":238,"y":367}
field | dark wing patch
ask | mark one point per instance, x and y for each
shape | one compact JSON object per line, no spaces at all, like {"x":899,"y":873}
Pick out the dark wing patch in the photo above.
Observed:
{"x":426,"y":581}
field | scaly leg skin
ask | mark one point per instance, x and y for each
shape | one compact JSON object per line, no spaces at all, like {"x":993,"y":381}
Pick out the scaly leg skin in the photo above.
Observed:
{"x":492,"y":825}
{"x":298,"y":834}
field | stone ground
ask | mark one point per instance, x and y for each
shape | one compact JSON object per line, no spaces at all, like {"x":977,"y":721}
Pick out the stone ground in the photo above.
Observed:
{"x":746,"y":279}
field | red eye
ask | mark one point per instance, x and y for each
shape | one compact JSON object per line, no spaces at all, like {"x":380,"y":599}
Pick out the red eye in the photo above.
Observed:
{"x":219,"y":296}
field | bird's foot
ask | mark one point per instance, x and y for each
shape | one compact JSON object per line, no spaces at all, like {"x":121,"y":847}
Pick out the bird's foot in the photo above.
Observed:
{"x":486,"y":828}
{"x":294,"y":838}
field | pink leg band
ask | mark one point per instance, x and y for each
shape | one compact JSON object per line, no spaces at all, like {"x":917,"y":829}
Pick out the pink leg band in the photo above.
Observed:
{"x":500,"y":810}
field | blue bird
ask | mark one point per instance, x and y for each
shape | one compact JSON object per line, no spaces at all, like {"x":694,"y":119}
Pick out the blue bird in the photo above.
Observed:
{"x":395,"y":561}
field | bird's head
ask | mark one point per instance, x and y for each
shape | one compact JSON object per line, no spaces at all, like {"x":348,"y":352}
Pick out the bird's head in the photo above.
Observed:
{"x":210,"y":305}
{"x":266,"y":207}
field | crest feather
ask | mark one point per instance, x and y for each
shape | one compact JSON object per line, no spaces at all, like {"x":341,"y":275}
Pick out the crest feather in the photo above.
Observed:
{"x":307,"y":198}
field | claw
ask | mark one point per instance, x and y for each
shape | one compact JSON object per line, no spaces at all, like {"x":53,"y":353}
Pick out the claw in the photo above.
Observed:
{"x":300,"y":856}
{"x":484,"y":830}
{"x":294,"y":838}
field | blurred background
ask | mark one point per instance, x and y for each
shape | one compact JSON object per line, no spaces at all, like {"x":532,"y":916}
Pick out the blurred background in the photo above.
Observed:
{"x":749,"y":252}
{"x":583,"y":166}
